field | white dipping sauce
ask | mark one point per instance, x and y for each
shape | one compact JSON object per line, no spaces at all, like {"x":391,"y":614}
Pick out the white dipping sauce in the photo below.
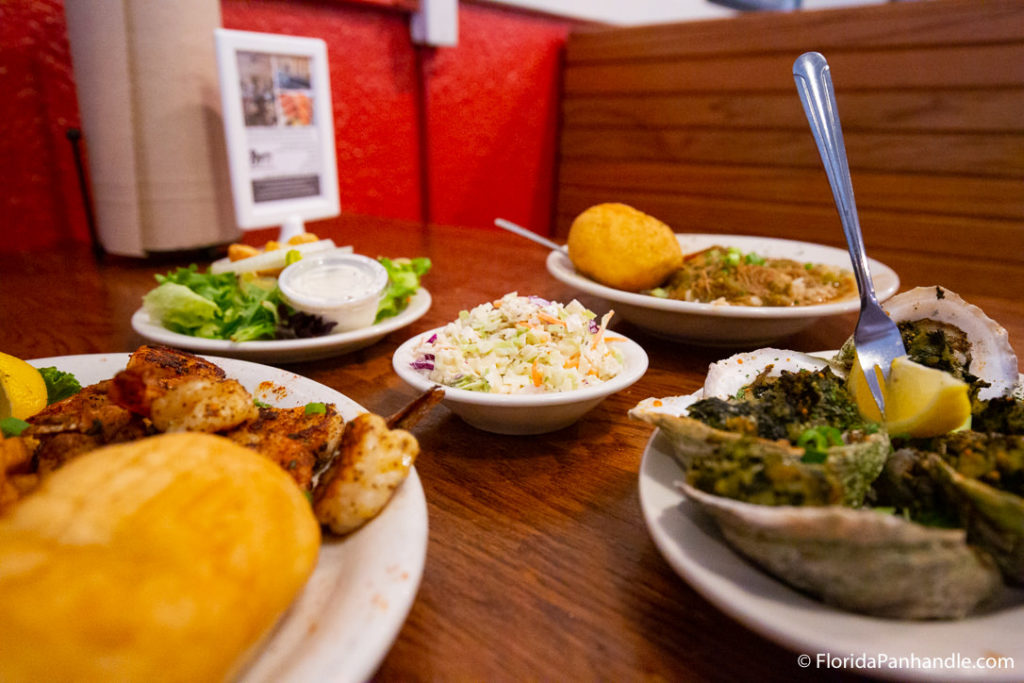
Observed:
{"x":337,"y":282}
{"x":341,"y":287}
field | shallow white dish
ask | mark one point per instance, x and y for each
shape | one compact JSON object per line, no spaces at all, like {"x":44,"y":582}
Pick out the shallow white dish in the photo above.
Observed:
{"x":345,"y":620}
{"x":285,"y":350}
{"x":523,"y":413}
{"x":724,"y":325}
{"x":693,"y":546}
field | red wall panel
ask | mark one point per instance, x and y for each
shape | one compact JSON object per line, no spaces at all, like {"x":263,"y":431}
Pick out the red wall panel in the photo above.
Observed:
{"x":482,"y":114}
{"x":492,"y":107}
{"x":40,"y":204}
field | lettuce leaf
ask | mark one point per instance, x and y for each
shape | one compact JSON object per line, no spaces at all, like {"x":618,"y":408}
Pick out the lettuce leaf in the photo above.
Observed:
{"x":404,"y":279}
{"x":59,"y":384}
{"x":221,"y":306}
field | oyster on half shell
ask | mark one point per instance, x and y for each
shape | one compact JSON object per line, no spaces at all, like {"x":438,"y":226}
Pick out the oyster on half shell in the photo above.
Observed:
{"x":854,"y":558}
{"x":943,"y":331}
{"x":985,"y":495}
{"x":972,"y":480}
{"x":994,"y":518}
{"x":859,"y":559}
{"x":769,"y":471}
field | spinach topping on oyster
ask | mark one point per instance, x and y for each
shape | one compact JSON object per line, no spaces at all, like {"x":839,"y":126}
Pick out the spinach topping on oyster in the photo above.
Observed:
{"x":791,"y":437}
{"x":993,"y":459}
{"x":785,"y":407}
{"x":809,"y":414}
{"x":1001,"y":415}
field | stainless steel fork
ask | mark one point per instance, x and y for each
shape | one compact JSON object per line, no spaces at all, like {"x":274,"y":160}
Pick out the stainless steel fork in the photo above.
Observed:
{"x":876,"y":337}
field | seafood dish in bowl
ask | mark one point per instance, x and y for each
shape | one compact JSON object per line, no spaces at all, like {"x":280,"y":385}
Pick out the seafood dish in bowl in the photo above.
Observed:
{"x":707,"y":289}
{"x":919,"y":518}
{"x":721,"y":324}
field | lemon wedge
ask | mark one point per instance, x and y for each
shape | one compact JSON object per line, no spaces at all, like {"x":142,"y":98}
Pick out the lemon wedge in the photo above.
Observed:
{"x":920,"y":401}
{"x":22,"y":389}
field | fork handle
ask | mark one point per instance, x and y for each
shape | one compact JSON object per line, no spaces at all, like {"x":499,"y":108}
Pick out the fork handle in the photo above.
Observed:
{"x":814,"y":84}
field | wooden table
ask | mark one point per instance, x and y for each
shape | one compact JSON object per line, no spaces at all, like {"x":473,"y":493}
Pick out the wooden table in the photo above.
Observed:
{"x":539,"y":565}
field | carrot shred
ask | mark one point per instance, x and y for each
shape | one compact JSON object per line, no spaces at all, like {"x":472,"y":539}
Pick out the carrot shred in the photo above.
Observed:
{"x":535,"y":374}
{"x":551,"y":319}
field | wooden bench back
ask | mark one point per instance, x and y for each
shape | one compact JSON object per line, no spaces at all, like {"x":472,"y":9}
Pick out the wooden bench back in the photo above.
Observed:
{"x":700,"y":124}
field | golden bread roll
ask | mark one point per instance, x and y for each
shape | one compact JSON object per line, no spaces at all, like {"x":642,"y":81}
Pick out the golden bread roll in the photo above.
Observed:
{"x":168,"y":558}
{"x":619,"y":246}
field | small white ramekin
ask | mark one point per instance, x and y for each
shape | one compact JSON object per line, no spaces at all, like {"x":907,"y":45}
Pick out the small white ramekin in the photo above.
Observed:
{"x":350,"y":308}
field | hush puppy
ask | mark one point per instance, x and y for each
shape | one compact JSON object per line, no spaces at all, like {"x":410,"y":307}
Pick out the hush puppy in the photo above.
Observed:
{"x":619,"y":246}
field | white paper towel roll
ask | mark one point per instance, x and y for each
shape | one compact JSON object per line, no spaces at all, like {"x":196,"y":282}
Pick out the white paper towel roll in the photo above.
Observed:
{"x":146,"y":76}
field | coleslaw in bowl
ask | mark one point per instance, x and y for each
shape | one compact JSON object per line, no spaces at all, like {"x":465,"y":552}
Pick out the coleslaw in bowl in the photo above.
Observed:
{"x":522,"y":365}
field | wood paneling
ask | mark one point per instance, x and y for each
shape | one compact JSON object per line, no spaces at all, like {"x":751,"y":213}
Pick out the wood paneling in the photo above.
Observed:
{"x":700,"y":125}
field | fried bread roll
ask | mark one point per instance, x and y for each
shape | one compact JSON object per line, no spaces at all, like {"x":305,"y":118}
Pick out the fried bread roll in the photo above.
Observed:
{"x":621,"y":247}
{"x":171,"y":557}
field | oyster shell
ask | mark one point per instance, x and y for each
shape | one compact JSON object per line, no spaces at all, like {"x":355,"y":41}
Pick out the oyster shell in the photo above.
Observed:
{"x":980,"y":345}
{"x":727,"y":377}
{"x":860,"y":560}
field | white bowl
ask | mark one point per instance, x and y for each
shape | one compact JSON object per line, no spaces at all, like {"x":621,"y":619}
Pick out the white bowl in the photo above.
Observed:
{"x":523,"y":413}
{"x":338,"y":286}
{"x":724,"y":325}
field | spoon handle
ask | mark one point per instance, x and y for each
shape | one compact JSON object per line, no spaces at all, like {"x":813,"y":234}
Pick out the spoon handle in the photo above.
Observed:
{"x":814,"y":84}
{"x":523,"y":232}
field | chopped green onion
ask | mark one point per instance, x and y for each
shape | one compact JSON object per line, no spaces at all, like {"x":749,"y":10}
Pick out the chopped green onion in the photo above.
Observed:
{"x":315,"y":409}
{"x":816,"y":441}
{"x":12,"y":426}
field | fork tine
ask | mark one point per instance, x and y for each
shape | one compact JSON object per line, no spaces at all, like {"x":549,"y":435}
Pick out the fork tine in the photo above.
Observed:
{"x":878,"y":341}
{"x":871,"y":375}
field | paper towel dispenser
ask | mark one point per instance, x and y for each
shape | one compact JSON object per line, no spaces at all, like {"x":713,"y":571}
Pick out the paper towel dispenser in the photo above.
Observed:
{"x":146,"y":79}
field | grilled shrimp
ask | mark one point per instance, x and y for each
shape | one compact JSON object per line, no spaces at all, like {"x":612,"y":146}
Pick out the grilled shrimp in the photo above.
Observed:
{"x":180,"y":391}
{"x":373,"y":462}
{"x":200,"y":404}
{"x":152,"y":370}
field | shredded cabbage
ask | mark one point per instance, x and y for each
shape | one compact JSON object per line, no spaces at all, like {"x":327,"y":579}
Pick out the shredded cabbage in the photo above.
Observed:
{"x":521,"y":345}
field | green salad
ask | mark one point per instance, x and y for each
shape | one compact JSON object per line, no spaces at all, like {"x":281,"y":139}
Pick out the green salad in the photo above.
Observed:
{"x":247,"y":306}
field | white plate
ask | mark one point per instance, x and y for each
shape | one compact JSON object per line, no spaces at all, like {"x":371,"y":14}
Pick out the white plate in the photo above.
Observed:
{"x":344,"y":621}
{"x":285,"y":350}
{"x":724,"y":325}
{"x":523,"y":413}
{"x":695,"y":549}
